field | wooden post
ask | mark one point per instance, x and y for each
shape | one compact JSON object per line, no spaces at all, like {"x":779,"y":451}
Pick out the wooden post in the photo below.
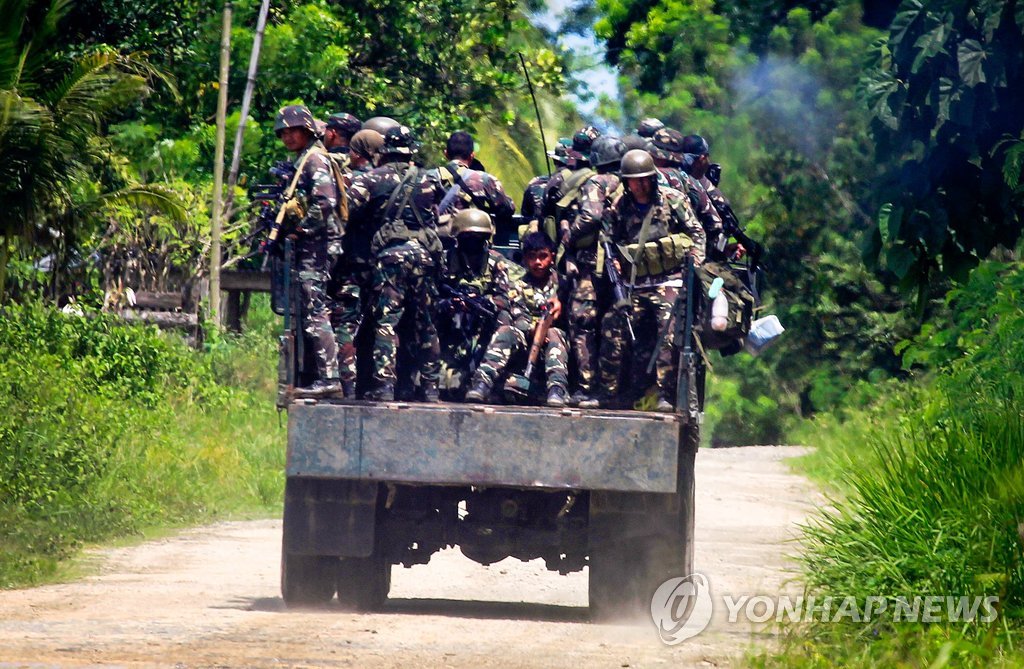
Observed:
{"x":218,"y":166}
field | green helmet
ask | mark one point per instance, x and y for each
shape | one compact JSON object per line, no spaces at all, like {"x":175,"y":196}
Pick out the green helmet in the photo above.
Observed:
{"x":367,"y":143}
{"x":584,"y":138}
{"x":399,"y":140}
{"x":606,"y":150}
{"x":472,"y":220}
{"x":634,"y":141}
{"x":294,"y":116}
{"x":637,"y":163}
{"x":380,"y":123}
{"x":346,"y":124}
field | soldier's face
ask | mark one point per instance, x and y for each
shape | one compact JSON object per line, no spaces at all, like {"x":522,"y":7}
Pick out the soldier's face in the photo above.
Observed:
{"x":538,"y":263}
{"x":294,"y":139}
{"x":640,"y":189}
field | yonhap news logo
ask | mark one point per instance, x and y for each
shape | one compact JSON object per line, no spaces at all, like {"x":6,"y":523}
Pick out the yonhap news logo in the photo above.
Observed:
{"x":682,"y":607}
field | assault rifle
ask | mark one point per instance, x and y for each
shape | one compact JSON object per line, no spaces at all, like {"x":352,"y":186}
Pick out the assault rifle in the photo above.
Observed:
{"x":681,"y":323}
{"x":623,"y":300}
{"x":271,"y":198}
{"x":518,"y":385}
{"x":477,"y":304}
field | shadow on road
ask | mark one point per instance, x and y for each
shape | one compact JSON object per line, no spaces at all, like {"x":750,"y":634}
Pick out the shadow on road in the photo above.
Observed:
{"x":454,"y":608}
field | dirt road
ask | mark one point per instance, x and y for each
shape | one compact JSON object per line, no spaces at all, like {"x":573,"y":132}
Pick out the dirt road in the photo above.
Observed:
{"x":209,"y":598}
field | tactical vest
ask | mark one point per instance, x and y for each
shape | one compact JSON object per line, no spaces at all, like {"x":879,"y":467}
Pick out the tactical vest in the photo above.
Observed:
{"x":657,"y":249}
{"x":401,"y":220}
{"x":335,"y":232}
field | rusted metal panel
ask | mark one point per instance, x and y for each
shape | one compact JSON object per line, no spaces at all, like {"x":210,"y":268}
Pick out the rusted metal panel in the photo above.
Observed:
{"x":471,"y":444}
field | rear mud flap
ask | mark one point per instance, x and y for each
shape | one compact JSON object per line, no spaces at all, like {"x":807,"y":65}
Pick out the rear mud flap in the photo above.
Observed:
{"x":329,"y":517}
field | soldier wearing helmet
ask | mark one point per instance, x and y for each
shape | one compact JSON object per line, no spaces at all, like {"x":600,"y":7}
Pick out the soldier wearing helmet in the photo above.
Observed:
{"x":667,"y":149}
{"x":476,"y":274}
{"x":582,"y":262}
{"x":381,"y":124}
{"x":313,"y":216}
{"x":352,"y":280}
{"x":697,"y":163}
{"x":653,"y":230}
{"x":563,"y":187}
{"x":337,"y":133}
{"x":468,"y":188}
{"x":397,"y":203}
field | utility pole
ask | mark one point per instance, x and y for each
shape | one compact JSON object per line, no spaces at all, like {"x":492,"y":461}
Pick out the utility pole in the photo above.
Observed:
{"x":250,"y":83}
{"x":218,"y":166}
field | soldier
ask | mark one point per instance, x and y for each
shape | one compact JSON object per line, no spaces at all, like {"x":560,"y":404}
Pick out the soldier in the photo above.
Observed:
{"x":647,"y":127}
{"x":339,"y":131}
{"x":468,"y":188}
{"x":397,"y":201}
{"x":581,"y":262}
{"x":352,"y":279}
{"x":532,"y":209}
{"x":314,"y":218}
{"x":654,"y":229}
{"x":381,"y":124}
{"x":696,"y":161}
{"x":534,"y":296}
{"x":563,"y":187}
{"x":666,"y":147}
{"x":475,"y":300}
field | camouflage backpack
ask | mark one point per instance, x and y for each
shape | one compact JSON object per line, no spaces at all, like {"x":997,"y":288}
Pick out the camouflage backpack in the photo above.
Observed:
{"x":740,"y":302}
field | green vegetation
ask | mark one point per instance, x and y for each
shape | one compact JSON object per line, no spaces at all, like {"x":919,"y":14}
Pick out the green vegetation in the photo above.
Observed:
{"x":106,"y":430}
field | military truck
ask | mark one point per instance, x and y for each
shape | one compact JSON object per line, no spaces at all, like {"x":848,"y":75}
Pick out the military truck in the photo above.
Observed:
{"x":373,"y":485}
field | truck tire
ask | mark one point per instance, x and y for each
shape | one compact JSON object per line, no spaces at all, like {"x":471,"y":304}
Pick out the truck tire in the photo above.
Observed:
{"x":363,"y":583}
{"x":307,"y":579}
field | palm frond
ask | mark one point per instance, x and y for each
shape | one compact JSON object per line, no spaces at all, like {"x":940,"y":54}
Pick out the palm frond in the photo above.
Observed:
{"x":154,"y":197}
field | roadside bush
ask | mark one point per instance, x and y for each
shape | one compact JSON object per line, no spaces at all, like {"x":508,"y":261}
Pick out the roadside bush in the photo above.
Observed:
{"x":106,"y":430}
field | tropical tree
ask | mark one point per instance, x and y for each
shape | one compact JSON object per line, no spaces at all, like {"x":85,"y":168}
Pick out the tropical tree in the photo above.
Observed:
{"x":946,"y":91}
{"x":52,"y":152}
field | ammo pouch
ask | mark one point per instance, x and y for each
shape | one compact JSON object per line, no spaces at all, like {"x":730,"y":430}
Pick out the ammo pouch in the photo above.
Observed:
{"x":740,"y":302}
{"x":396,"y":231}
{"x":659,"y":256}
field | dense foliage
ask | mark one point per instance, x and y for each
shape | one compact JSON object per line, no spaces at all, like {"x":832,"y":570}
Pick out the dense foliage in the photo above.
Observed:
{"x":106,"y":430}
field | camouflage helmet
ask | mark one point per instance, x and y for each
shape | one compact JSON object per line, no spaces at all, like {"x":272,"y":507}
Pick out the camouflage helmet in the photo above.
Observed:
{"x":560,"y":154}
{"x":399,"y":140}
{"x":667,"y":144}
{"x":649,"y":126}
{"x":380,"y":123}
{"x":472,"y":220}
{"x":294,"y":116}
{"x":346,"y":124}
{"x":366,"y":143}
{"x":606,"y":150}
{"x":584,"y":138}
{"x":637,"y":163}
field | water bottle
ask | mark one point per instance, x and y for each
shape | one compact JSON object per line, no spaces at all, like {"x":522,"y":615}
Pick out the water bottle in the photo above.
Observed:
{"x":719,"y":313}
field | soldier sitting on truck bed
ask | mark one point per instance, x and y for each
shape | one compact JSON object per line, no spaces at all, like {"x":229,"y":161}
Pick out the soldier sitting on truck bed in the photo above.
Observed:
{"x":536,"y":305}
{"x":474,"y":300}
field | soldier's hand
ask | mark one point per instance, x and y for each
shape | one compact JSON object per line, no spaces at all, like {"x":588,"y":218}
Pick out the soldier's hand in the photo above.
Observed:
{"x":555,"y":308}
{"x":735,"y":251}
{"x":572,"y":270}
{"x":618,"y":265}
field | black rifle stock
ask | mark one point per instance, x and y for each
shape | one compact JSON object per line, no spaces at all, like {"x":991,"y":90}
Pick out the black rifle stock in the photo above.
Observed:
{"x":686,"y":385}
{"x":623,"y":298}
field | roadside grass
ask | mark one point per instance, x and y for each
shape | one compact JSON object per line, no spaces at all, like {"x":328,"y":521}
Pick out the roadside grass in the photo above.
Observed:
{"x":109,"y":431}
{"x":927,"y":499}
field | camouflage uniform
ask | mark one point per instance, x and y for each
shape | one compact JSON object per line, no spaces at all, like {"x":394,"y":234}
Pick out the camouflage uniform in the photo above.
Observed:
{"x":677,"y":179}
{"x":562,"y":190}
{"x":462,"y":333}
{"x":652,"y":299}
{"x":582,"y":243}
{"x":319,"y":232}
{"x":477,"y":190}
{"x":351,"y":284}
{"x":532,"y":209}
{"x":406,"y":255}
{"x":528,"y":304}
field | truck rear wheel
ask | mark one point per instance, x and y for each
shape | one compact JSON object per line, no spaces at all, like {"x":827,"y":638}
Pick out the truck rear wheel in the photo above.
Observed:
{"x":307,"y":579}
{"x":363,"y":583}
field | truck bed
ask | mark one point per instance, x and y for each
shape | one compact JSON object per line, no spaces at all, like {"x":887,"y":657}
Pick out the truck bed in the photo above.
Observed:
{"x":483,"y":445}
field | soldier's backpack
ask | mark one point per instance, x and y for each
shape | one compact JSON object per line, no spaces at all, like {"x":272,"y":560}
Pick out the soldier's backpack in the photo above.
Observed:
{"x":740,"y":302}
{"x":570,"y":192}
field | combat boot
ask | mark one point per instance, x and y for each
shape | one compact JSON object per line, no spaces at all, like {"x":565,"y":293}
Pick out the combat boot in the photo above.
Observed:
{"x":319,"y":388}
{"x":480,"y":391}
{"x":664,"y":406}
{"x":556,"y":397}
{"x":348,"y":390}
{"x":429,"y":393}
{"x":385,"y":392}
{"x":585,"y":401}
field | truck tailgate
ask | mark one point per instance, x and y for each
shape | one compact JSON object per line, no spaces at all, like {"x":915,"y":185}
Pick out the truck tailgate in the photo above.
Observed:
{"x":466,"y":444}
